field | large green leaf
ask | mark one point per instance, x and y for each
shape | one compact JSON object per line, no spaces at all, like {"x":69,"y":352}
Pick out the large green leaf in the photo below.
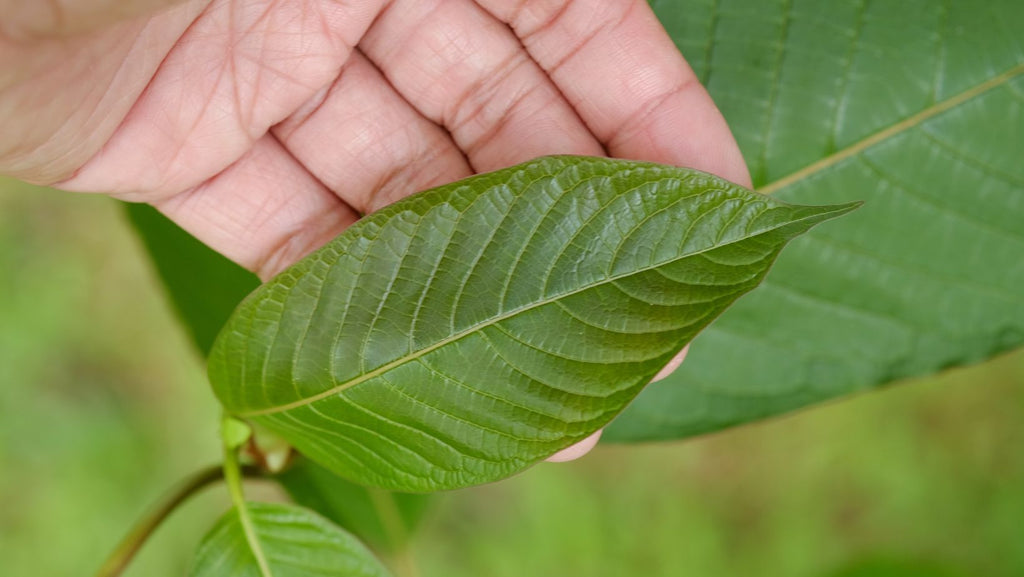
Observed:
{"x":383,"y":519}
{"x":278,"y":540}
{"x":916,"y":107}
{"x":465,"y":333}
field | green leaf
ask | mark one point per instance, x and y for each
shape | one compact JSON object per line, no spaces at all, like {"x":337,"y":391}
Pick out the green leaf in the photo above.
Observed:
{"x":881,"y":566}
{"x":203,"y":286}
{"x":384,"y":520}
{"x":917,"y":108}
{"x":463,"y":334}
{"x":286,"y":541}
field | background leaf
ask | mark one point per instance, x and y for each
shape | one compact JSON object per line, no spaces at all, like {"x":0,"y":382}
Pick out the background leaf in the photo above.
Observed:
{"x":203,"y":286}
{"x":460,"y":335}
{"x":295,"y":542}
{"x":384,"y":520}
{"x":916,"y":107}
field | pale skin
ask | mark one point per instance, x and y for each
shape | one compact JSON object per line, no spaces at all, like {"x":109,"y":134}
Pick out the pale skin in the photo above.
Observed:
{"x":266,"y":127}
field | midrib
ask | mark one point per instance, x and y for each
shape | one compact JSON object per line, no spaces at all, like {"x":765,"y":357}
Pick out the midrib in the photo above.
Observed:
{"x":894,"y":130}
{"x":249,"y":530}
{"x":492,"y":321}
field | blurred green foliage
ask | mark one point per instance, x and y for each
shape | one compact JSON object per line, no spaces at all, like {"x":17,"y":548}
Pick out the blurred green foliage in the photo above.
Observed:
{"x":103,"y":405}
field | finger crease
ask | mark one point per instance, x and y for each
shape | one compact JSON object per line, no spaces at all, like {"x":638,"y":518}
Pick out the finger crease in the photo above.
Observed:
{"x":400,"y":174}
{"x":590,"y":36}
{"x":636,"y":121}
{"x":494,"y":131}
{"x":548,"y":23}
{"x":477,"y":93}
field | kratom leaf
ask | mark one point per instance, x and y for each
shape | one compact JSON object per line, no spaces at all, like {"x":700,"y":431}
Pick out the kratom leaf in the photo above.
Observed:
{"x":382,"y":519}
{"x":465,"y":333}
{"x":203,"y":286}
{"x":282,"y":541}
{"x":916,"y":107}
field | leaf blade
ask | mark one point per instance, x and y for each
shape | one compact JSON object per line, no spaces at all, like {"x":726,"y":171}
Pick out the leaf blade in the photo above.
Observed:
{"x":341,"y":356}
{"x":925,"y":138}
{"x":384,"y":520}
{"x":293,"y":542}
{"x":202,"y":285}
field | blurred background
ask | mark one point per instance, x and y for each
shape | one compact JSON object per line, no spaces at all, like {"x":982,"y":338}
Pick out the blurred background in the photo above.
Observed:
{"x":104,"y":405}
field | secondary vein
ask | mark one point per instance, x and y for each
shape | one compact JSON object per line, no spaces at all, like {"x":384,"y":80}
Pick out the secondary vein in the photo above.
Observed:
{"x":898,"y":128}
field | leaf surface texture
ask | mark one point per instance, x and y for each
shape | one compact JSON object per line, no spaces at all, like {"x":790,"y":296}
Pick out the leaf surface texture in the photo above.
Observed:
{"x":463,"y":334}
{"x":292,"y":541}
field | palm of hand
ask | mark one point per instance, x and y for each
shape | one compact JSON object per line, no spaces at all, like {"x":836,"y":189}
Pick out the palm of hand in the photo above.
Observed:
{"x":265,"y":127}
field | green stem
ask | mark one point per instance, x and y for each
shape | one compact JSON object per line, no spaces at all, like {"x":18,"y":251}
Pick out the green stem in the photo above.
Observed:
{"x":391,"y":520}
{"x":233,"y":478}
{"x":403,"y":563}
{"x":126,"y":550}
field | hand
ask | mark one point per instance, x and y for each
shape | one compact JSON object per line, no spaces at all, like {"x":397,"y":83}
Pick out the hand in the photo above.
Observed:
{"x":266,"y":127}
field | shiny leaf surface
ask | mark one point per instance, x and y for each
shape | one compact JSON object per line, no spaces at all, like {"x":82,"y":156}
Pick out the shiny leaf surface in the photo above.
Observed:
{"x":463,"y":334}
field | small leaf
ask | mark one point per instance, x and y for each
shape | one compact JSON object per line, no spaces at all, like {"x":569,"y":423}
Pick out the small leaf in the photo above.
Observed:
{"x":465,"y":333}
{"x":294,"y":542}
{"x":382,"y":519}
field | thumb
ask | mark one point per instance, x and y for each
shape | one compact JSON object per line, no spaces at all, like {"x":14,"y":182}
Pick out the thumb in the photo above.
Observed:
{"x":36,"y":19}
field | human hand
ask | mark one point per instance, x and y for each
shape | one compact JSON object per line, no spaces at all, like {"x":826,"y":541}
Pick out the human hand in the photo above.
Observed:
{"x":266,"y":127}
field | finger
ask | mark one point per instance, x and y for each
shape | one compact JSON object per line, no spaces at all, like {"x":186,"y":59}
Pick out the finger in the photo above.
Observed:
{"x":241,"y":68}
{"x":576,"y":451}
{"x":61,"y":100}
{"x":672,"y":365}
{"x":364,"y":142}
{"x":621,"y":72}
{"x":464,"y":70}
{"x":264,"y":212}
